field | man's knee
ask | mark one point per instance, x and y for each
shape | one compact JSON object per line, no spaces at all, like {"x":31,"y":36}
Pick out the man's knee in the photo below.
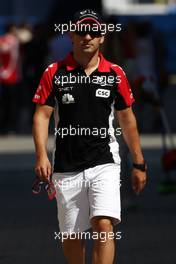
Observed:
{"x":102,"y":224}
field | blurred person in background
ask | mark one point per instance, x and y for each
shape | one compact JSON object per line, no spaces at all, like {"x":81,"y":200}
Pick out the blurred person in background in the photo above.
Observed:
{"x":24,"y":33}
{"x":146,"y":81}
{"x":111,"y":48}
{"x":144,"y":67}
{"x":9,"y":80}
{"x":128,"y":42}
{"x":139,"y":53}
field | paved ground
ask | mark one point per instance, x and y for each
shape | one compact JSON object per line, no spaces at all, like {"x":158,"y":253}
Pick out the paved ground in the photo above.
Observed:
{"x":28,"y":223}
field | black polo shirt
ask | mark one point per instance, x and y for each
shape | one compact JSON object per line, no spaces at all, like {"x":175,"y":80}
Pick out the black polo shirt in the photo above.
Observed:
{"x":85,"y":107}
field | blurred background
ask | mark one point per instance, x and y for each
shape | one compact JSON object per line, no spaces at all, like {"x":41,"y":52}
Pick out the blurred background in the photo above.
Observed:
{"x":145,"y":48}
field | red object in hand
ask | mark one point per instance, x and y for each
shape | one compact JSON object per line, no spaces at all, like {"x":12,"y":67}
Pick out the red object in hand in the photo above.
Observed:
{"x":51,"y":190}
{"x":48,"y":186}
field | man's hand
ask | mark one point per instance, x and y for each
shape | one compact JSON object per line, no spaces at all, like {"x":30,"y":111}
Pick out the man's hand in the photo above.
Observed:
{"x":43,"y":168}
{"x":138,"y":180}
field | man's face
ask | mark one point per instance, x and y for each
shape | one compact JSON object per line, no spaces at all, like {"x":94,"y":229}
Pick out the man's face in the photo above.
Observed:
{"x":87,"y":42}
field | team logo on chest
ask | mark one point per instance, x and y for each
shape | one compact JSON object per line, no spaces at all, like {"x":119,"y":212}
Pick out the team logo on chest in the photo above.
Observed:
{"x":102,"y":93}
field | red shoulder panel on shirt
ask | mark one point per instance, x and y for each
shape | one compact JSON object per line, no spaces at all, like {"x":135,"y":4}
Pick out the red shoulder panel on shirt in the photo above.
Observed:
{"x":45,"y":86}
{"x":123,"y":86}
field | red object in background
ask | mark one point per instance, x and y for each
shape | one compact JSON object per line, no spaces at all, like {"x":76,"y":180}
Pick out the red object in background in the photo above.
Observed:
{"x":9,"y":59}
{"x":169,"y":160}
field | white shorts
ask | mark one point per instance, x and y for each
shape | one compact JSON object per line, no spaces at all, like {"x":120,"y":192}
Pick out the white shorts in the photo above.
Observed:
{"x":83,"y":195}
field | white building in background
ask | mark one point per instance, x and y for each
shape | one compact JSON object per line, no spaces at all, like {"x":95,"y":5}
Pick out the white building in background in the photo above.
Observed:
{"x":136,"y":7}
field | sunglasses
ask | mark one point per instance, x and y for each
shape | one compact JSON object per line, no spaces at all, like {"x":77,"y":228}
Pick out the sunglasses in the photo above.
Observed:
{"x":90,"y":32}
{"x":41,"y":186}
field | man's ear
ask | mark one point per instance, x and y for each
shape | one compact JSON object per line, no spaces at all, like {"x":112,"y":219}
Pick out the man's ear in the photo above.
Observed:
{"x":102,"y":40}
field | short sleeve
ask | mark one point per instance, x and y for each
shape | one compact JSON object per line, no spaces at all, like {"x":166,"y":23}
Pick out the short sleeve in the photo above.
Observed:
{"x":45,"y":93}
{"x":124,"y":96}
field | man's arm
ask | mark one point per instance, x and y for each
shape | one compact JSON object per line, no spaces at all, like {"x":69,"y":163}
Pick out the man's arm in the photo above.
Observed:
{"x":41,"y":120}
{"x":127,"y":122}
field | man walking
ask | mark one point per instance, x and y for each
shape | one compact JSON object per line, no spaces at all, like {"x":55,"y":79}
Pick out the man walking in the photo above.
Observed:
{"x":87,"y":91}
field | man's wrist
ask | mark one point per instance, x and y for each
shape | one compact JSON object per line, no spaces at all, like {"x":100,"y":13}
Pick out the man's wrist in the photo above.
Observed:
{"x":41,"y":155}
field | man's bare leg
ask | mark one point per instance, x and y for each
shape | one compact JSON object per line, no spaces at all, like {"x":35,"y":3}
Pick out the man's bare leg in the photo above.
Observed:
{"x":103,"y":249}
{"x":74,"y":250}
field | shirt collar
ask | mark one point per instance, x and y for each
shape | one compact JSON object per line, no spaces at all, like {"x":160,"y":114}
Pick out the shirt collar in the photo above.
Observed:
{"x":71,"y":64}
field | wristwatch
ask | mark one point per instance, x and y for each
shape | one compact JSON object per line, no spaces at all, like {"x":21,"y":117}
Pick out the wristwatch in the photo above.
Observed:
{"x":140,"y":166}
